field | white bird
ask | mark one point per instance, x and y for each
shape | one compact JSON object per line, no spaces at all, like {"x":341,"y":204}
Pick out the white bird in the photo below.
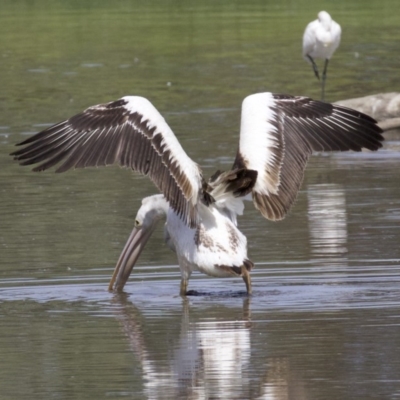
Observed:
{"x":277,"y":136}
{"x":320,"y":40}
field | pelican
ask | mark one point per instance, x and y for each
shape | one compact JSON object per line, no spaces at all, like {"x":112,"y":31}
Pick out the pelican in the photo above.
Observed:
{"x":320,"y":40}
{"x":278,"y":134}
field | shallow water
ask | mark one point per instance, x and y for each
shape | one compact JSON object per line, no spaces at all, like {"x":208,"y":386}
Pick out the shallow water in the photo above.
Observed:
{"x":323,"y":322}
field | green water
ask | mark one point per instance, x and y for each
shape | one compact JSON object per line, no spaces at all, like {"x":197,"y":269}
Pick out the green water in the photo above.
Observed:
{"x":324,"y":319}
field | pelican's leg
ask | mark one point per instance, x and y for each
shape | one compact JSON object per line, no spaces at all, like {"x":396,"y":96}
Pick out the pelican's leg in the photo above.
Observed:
{"x":246,"y":278}
{"x":323,"y":80}
{"x":185,"y":276}
{"x":314,"y":66}
{"x":184,"y":285}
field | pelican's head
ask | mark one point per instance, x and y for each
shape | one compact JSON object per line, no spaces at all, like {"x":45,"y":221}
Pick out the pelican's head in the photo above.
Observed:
{"x":152,"y":210}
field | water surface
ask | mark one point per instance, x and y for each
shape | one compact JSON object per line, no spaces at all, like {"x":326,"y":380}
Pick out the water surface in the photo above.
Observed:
{"x":323,"y":322}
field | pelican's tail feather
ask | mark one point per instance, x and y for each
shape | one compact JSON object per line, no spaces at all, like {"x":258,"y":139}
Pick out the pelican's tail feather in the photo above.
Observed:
{"x":227,"y":190}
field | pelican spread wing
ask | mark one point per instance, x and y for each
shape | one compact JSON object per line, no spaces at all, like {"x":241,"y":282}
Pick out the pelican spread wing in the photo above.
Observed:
{"x":279,"y":133}
{"x":129,"y":132}
{"x":277,"y":136}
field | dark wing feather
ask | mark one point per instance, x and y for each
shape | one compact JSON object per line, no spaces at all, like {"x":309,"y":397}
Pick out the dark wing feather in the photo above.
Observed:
{"x":129,"y":132}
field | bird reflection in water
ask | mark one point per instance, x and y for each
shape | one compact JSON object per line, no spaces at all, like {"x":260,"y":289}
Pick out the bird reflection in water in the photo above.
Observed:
{"x":327,"y":221}
{"x":204,"y":358}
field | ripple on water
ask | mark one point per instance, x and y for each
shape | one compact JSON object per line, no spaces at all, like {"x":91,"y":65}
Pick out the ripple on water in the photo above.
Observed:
{"x":289,"y":288}
{"x":39,"y":70}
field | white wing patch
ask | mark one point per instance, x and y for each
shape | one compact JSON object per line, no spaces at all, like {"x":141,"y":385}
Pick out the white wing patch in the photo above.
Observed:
{"x":260,"y":142}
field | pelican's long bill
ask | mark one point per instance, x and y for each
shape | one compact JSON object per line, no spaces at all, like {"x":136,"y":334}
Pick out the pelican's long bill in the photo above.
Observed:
{"x":130,"y":254}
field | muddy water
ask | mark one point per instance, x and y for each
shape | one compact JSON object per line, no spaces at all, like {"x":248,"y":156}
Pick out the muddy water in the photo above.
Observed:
{"x":323,"y":322}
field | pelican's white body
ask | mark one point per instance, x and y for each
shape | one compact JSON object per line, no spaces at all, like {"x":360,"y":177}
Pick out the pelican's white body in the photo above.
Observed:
{"x":215,"y":242}
{"x":321,"y":37}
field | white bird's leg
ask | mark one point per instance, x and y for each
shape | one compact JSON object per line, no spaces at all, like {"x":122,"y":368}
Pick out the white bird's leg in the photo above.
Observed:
{"x":246,"y":278}
{"x":315,"y":68}
{"x":323,"y":80}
